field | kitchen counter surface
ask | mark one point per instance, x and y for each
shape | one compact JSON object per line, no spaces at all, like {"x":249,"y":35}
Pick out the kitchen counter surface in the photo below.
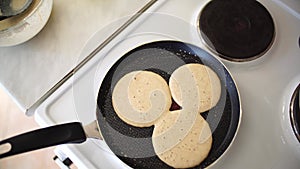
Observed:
{"x":12,"y":122}
{"x":29,"y":70}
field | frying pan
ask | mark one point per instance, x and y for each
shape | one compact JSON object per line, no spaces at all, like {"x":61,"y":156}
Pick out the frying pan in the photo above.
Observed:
{"x":133,"y":145}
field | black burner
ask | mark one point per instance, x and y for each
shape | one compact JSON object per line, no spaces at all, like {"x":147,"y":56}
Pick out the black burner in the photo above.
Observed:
{"x":295,"y":113}
{"x":238,"y":30}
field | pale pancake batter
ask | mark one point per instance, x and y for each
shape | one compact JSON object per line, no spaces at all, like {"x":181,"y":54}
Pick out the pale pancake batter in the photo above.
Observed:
{"x":141,"y":97}
{"x":207,"y":82}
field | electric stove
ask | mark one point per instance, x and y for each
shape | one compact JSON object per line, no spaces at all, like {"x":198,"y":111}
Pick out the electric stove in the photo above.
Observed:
{"x":258,"y":41}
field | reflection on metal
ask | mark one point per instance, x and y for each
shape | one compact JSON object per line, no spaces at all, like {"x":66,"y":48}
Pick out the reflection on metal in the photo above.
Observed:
{"x":92,"y":130}
{"x":5,"y":148}
{"x":9,"y":8}
{"x":6,"y":23}
{"x":295,"y":112}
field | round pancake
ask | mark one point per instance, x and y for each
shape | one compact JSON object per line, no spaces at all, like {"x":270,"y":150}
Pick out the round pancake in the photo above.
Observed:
{"x":207,"y":82}
{"x":141,"y":97}
{"x":188,"y":151}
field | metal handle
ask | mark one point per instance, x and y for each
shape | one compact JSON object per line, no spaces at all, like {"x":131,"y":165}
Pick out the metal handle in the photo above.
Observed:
{"x":42,"y":138}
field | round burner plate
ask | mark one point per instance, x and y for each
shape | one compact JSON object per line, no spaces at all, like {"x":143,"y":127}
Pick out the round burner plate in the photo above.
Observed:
{"x":237,"y":30}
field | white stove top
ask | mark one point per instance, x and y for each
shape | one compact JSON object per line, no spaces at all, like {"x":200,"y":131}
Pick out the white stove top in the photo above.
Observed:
{"x":265,"y":138}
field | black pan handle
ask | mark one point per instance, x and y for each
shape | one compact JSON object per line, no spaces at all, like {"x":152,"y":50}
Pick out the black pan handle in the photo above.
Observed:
{"x":42,"y":138}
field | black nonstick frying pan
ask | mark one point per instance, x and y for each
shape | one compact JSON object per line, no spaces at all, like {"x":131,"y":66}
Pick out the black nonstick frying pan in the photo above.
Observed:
{"x":133,"y":145}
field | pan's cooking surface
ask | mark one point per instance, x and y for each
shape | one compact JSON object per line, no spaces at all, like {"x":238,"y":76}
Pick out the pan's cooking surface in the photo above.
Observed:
{"x":134,"y":145}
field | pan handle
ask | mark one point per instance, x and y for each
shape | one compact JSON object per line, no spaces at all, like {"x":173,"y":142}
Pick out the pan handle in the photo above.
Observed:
{"x":42,"y":138}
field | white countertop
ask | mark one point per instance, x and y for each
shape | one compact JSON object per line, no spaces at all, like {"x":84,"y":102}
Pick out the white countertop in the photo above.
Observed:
{"x":29,"y":70}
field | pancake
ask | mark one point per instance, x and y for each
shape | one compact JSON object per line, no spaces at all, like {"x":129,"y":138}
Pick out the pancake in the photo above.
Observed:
{"x":190,"y":150}
{"x":207,"y":82}
{"x":141,"y":97}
